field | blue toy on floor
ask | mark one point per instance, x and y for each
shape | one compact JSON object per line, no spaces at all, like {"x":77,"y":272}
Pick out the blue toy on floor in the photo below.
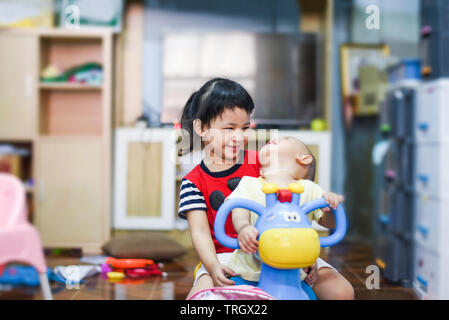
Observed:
{"x":26,"y":275}
{"x":287,"y":241}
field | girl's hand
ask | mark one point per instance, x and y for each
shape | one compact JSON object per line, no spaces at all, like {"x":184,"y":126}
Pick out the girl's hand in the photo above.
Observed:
{"x":333,"y":200}
{"x":312,"y":274}
{"x":248,"y":239}
{"x":218,"y":274}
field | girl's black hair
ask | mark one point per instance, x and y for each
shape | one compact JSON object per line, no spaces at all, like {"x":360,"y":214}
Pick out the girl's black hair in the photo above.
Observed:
{"x":211,"y":100}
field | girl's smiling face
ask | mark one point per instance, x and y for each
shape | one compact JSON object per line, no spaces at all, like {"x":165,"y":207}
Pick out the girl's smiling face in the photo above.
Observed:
{"x":226,"y":135}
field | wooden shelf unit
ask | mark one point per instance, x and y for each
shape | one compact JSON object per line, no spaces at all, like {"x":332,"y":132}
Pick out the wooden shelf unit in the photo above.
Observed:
{"x":68,"y":126}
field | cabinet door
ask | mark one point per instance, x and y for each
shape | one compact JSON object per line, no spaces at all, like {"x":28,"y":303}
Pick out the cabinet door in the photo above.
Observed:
{"x":144,"y":179}
{"x":71,"y":208}
{"x":18,"y":82}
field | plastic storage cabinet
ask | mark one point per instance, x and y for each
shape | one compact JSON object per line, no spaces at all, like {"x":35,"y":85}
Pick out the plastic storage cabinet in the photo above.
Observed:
{"x":395,"y":206}
{"x":432,"y":221}
{"x":405,"y":69}
{"x":434,"y":42}
{"x":432,"y":118}
{"x":431,"y":279}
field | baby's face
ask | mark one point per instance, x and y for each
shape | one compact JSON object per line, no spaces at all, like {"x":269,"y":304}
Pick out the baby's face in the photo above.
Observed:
{"x":279,"y":152}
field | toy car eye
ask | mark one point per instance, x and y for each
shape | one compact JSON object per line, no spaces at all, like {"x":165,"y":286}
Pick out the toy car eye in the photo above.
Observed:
{"x":288,"y":216}
{"x":296,"y":217}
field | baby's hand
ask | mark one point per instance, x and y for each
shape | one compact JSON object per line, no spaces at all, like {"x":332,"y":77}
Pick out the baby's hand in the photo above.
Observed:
{"x":218,"y":274}
{"x":312,"y":274}
{"x":248,"y":239}
{"x":333,"y":200}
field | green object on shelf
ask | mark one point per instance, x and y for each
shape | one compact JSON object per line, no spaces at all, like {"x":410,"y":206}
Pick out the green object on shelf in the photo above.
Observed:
{"x":61,"y":78}
{"x":64,"y":77}
{"x":318,"y":124}
{"x":385,"y":128}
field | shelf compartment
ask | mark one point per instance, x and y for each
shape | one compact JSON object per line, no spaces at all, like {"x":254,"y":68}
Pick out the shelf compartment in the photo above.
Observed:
{"x":66,"y":53}
{"x":70,"y":112}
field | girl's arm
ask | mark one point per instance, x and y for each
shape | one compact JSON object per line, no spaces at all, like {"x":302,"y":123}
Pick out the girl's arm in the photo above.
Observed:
{"x":202,"y":239}
{"x":205,"y":249}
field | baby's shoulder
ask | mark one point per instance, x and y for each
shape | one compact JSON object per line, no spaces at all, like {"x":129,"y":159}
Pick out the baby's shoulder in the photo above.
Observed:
{"x":250,"y":181}
{"x":248,"y":185}
{"x":306,"y":182}
{"x":310,"y":185}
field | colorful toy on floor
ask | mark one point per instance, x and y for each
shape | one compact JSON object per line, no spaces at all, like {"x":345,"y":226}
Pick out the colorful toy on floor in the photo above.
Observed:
{"x":287,"y":241}
{"x":73,"y":274}
{"x":139,"y":273}
{"x":18,"y":275}
{"x":115,"y":275}
{"x":128,"y":263}
{"x":118,"y":269}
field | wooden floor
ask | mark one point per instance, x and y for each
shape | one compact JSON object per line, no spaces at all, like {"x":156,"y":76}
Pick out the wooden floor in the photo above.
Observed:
{"x":350,"y":259}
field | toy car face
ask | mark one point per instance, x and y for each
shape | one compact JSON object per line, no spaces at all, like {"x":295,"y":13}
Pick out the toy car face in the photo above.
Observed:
{"x":287,"y":240}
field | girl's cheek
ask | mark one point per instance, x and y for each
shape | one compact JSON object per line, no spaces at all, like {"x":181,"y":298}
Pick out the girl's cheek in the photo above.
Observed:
{"x":245,"y":138}
{"x":213,"y":136}
{"x":263,"y":156}
{"x":227,"y":137}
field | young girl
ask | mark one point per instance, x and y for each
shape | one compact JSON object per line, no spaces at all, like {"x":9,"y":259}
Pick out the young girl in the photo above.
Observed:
{"x":218,"y":114}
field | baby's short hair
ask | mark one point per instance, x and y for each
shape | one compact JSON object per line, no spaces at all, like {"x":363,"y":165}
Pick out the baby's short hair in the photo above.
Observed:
{"x":311,"y":169}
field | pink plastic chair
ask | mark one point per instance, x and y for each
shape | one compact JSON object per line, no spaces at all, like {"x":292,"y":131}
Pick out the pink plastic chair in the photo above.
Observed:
{"x":19,"y":239}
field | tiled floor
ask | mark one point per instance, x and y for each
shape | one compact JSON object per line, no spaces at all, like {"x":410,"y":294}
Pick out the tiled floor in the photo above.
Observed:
{"x":350,"y":259}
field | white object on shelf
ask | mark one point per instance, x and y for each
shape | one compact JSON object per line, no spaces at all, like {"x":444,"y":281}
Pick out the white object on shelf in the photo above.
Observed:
{"x":7,"y":149}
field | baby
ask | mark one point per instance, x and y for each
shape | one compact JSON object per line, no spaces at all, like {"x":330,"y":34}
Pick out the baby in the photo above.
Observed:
{"x":283,"y":161}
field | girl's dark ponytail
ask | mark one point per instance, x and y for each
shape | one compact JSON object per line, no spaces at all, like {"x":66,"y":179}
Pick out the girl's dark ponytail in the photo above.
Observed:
{"x":189,"y":114}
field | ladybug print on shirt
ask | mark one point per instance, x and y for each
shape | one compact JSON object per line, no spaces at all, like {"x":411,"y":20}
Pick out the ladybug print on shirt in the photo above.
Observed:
{"x":204,"y":190}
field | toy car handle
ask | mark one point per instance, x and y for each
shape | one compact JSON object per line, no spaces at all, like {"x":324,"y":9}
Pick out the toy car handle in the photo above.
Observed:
{"x":340,"y":217}
{"x":222,"y":214}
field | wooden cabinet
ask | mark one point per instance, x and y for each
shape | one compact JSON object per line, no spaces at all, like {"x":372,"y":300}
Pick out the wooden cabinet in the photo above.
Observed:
{"x":68,"y":127}
{"x":18,"y":80}
{"x":73,"y":158}
{"x":71,"y":195}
